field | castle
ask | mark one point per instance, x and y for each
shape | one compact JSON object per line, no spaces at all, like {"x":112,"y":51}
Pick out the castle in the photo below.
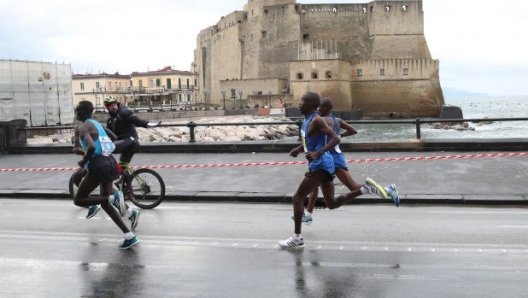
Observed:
{"x":370,"y":56}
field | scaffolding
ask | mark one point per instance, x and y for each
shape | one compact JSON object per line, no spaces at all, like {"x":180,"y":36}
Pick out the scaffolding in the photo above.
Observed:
{"x":39,"y":92}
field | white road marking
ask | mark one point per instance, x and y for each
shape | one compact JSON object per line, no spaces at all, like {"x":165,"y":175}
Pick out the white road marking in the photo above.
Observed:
{"x":112,"y":239}
{"x":511,"y":227}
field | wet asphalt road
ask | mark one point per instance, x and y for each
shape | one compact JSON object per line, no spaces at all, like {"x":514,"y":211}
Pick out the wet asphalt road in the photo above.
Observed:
{"x":229,"y":250}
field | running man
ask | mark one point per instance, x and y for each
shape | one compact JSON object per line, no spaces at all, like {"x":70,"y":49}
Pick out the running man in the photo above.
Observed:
{"x":342,"y":173}
{"x":122,"y":122}
{"x":101,"y":171}
{"x":132,"y":214}
{"x":318,"y":138}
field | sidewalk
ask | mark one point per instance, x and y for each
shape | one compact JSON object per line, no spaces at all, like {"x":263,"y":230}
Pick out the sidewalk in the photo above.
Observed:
{"x":424,"y":177}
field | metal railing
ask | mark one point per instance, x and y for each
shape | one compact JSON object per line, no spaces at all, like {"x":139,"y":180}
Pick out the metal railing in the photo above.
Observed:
{"x":298,"y":122}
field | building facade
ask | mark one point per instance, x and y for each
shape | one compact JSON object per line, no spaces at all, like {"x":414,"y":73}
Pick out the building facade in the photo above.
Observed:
{"x":95,"y":87}
{"x":165,"y":87}
{"x":160,"y":89}
{"x":370,"y":56}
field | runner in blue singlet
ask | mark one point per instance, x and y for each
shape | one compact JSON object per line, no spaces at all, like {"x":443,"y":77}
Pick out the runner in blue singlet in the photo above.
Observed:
{"x":342,"y":173}
{"x":101,"y":170}
{"x":318,"y":138}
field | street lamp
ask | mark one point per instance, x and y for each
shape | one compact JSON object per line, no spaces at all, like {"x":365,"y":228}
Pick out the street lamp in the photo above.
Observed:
{"x":205,"y":97}
{"x":223,"y":95}
{"x":240,"y":93}
{"x":133,"y":91}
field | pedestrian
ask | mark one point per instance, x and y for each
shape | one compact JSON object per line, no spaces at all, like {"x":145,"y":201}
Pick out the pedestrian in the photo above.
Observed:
{"x":101,"y":170}
{"x":318,"y":138}
{"x":341,"y":169}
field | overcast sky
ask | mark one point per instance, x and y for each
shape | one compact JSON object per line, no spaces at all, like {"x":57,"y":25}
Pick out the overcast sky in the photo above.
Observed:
{"x":480,"y":44}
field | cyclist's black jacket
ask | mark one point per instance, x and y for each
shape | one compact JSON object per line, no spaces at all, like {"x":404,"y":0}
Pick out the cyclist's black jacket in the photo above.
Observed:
{"x":123,"y":123}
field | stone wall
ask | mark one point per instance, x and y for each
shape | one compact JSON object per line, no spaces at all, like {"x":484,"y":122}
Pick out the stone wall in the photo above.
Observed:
{"x":348,"y":26}
{"x":401,"y":99}
{"x":333,"y":80}
{"x":279,"y":39}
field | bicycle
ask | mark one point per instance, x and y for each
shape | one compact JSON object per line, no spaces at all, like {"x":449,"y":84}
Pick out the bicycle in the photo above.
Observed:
{"x":144,"y":187}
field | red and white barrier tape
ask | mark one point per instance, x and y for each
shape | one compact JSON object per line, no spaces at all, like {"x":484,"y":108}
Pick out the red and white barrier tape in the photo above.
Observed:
{"x":283,"y":163}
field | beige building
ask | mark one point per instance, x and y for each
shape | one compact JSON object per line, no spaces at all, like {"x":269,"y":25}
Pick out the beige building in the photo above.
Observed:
{"x":160,"y":89}
{"x":368,"y":56}
{"x":167,"y":88}
{"x":95,"y":87}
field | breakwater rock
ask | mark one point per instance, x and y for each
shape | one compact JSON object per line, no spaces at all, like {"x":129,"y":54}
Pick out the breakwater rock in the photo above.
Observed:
{"x":251,"y":131}
{"x":459,"y":126}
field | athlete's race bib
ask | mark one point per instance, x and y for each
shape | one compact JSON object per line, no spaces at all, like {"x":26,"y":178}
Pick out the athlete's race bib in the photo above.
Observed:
{"x":336,"y":148}
{"x":107,"y":146}
{"x":303,"y":135}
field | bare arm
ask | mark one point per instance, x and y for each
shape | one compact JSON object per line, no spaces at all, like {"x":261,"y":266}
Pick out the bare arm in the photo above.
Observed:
{"x":110,"y":134}
{"x":77,"y":149}
{"x":85,"y":132}
{"x":295,"y":151}
{"x":349,"y":129}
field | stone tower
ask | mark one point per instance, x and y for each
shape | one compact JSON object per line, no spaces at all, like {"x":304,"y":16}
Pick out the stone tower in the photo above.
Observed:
{"x":370,"y":56}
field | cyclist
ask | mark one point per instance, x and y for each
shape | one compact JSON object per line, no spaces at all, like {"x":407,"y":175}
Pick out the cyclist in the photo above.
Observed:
{"x":122,"y":123}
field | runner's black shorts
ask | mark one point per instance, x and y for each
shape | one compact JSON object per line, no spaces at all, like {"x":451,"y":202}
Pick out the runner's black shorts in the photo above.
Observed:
{"x":103,"y":168}
{"x":327,"y":178}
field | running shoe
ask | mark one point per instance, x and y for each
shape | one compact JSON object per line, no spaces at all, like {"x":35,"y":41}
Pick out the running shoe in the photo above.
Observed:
{"x":119,"y":203}
{"x":375,"y":188}
{"x":134,"y":219}
{"x":129,"y":243}
{"x":292,"y":243}
{"x":393,"y":194}
{"x":92,"y":211}
{"x":306,"y":219}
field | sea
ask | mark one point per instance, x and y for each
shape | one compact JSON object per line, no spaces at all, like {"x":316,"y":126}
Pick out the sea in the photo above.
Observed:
{"x":473,"y":107}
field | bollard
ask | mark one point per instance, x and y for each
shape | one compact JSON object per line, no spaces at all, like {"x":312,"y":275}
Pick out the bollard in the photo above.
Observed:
{"x":191,"y":126}
{"x":418,"y":132}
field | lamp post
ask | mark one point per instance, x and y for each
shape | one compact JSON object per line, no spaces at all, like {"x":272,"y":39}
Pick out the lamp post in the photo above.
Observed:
{"x":205,"y":98}
{"x":223,"y":95}
{"x":240,"y":94}
{"x":134,"y":98}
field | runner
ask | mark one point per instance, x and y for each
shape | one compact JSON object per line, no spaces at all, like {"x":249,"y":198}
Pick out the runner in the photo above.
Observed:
{"x":342,"y":173}
{"x":122,"y":122}
{"x":101,"y":171}
{"x":318,"y":138}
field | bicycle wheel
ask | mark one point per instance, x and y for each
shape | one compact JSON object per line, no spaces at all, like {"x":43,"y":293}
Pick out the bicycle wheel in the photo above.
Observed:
{"x":145,"y":188}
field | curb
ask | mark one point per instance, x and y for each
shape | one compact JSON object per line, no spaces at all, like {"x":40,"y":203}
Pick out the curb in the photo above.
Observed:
{"x":285,"y":198}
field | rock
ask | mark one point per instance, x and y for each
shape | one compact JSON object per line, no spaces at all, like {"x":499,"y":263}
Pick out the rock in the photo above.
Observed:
{"x":253,"y":132}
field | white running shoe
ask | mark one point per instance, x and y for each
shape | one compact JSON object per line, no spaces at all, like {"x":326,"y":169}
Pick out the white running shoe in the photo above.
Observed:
{"x":292,"y":243}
